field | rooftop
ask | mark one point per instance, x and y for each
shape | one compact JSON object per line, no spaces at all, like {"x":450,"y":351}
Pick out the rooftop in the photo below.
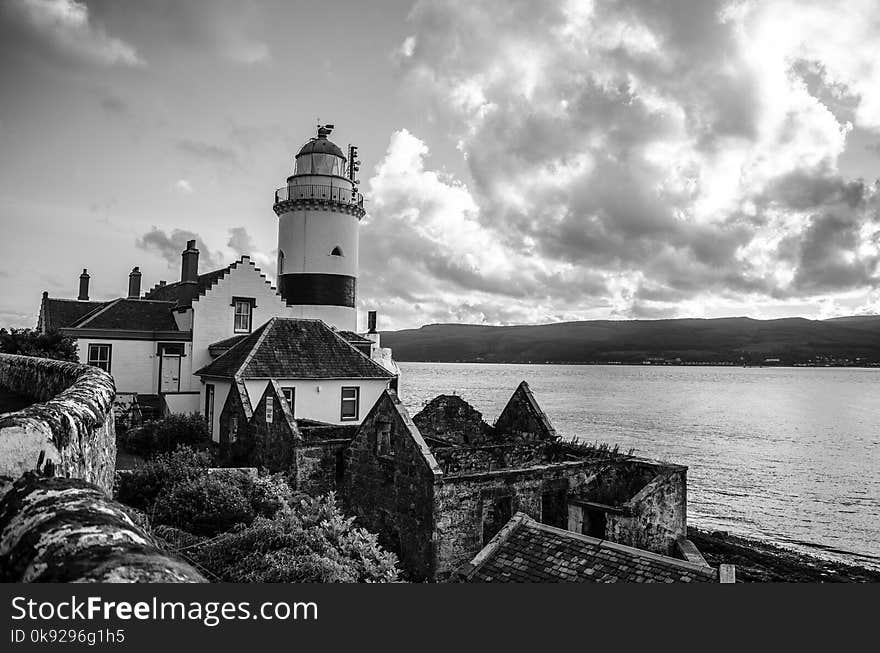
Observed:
{"x":60,"y":313}
{"x":526,"y":551}
{"x":289,"y":348}
{"x":129,"y":314}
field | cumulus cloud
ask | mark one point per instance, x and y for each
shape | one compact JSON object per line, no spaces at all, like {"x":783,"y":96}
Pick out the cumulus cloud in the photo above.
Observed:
{"x":66,"y":27}
{"x":171,"y":245}
{"x":641,"y":159}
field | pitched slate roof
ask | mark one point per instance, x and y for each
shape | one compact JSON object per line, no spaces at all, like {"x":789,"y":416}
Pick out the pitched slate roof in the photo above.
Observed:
{"x":289,"y":348}
{"x":355,"y":338}
{"x":131,"y":315}
{"x":526,"y":551}
{"x":222,"y":346}
{"x":59,"y":313}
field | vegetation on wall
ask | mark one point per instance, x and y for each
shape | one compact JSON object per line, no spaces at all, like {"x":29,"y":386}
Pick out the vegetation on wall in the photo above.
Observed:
{"x":238,"y":527}
{"x":28,"y":342}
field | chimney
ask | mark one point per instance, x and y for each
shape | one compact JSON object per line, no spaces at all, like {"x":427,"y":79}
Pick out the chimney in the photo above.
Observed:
{"x":134,"y":283}
{"x":84,"y":285}
{"x":189,"y":270}
{"x":371,"y":321}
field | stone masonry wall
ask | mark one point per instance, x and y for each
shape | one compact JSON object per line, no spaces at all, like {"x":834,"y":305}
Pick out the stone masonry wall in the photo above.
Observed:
{"x":71,"y":432}
{"x":451,"y":418}
{"x":464,"y":505}
{"x":523,"y":419}
{"x":391,"y":489}
{"x":66,"y":530}
{"x":655,"y":517}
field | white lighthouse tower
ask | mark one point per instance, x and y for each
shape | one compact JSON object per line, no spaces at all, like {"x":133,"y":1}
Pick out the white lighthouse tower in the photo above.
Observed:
{"x":319,"y":212}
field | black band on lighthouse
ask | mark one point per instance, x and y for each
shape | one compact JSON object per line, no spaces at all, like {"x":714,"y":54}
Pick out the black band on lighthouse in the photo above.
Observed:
{"x":318,"y":289}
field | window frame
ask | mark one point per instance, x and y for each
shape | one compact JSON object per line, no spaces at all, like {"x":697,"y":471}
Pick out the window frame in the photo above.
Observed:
{"x":251,"y":304}
{"x":343,"y":400}
{"x":209,"y":407}
{"x":270,"y":410}
{"x":96,"y":361}
{"x":291,"y":400}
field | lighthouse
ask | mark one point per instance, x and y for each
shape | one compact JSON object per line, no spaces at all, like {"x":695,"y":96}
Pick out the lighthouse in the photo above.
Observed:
{"x":319,"y":212}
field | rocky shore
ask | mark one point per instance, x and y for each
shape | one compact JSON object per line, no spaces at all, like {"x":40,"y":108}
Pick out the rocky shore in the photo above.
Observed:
{"x":759,"y":562}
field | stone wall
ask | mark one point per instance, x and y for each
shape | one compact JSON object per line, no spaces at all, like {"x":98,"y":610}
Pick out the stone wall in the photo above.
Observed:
{"x":66,"y":530}
{"x":71,"y":433}
{"x":471,"y":508}
{"x":319,"y":467}
{"x":390,"y":482}
{"x":452,"y":419}
{"x":656,"y":517}
{"x":523,"y":419}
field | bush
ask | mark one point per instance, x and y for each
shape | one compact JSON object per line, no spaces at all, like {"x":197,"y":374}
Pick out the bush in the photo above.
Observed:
{"x":28,"y":342}
{"x":203,"y":505}
{"x":309,"y":542}
{"x":141,"y":487}
{"x":166,"y":434}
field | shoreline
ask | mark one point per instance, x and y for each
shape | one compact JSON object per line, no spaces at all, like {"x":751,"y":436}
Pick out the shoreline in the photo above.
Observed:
{"x":760,"y":562}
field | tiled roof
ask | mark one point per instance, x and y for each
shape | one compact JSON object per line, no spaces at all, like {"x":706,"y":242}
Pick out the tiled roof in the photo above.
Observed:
{"x":526,"y":551}
{"x":354,"y":338}
{"x":59,"y":313}
{"x":289,"y":348}
{"x":130,"y":314}
{"x":222,"y":346}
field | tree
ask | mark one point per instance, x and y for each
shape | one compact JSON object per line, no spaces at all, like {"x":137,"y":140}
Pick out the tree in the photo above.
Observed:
{"x":28,"y":342}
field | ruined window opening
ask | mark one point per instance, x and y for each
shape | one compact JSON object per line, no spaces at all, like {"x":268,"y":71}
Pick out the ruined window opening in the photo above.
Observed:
{"x":384,"y":446}
{"x":336,"y":251}
{"x":594,"y":523}
{"x":494,"y":519}
{"x":554,"y":508}
{"x":99,"y":356}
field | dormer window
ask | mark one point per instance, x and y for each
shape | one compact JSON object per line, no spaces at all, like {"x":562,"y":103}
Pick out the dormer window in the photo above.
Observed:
{"x":244,"y":313}
{"x":336,"y":251}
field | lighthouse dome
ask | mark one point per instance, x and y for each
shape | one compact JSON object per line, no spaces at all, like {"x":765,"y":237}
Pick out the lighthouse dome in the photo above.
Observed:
{"x":320,"y":156}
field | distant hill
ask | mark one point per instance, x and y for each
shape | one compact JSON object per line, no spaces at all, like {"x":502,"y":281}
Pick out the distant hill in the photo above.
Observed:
{"x":734,"y":340}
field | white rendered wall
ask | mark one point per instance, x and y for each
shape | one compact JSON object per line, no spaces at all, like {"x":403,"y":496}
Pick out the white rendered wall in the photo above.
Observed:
{"x":324,"y":405}
{"x":213,"y":315}
{"x":221,"y":392}
{"x":133,"y":363}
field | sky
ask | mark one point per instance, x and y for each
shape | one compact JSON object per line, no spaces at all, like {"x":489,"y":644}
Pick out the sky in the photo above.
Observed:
{"x":522,"y":161}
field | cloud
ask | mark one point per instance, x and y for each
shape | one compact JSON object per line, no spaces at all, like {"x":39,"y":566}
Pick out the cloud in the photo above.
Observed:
{"x":66,"y":27}
{"x":171,"y":246}
{"x":206,"y":151}
{"x":183,"y":185}
{"x":240,"y":241}
{"x":114,"y":104}
{"x":633,"y":158}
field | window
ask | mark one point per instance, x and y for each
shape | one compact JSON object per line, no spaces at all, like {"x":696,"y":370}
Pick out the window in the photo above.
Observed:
{"x":270,"y":409}
{"x":280,"y":261}
{"x":336,"y":251}
{"x":243,"y":314}
{"x":350,"y":399}
{"x":289,"y":397}
{"x":383,"y":439}
{"x":209,"y":407}
{"x":99,"y":356}
{"x":233,"y":428}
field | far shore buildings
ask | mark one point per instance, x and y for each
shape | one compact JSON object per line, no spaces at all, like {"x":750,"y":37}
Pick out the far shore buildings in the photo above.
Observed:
{"x":164,"y":347}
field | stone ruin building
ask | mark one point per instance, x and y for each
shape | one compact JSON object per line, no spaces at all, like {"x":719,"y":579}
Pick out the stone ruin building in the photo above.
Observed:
{"x":454,"y":497}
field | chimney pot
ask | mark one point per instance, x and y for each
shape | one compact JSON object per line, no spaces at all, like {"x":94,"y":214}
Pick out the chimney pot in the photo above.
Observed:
{"x":84,"y":285}
{"x":134,"y":283}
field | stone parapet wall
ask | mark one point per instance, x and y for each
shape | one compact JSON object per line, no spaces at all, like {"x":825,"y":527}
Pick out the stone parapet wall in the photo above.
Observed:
{"x":67,"y":530}
{"x":71,"y":432}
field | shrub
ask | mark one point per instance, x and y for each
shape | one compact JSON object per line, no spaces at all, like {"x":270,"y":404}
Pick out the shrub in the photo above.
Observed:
{"x":166,"y":434}
{"x":141,"y":487}
{"x":28,"y":342}
{"x":309,"y":542}
{"x":203,"y":505}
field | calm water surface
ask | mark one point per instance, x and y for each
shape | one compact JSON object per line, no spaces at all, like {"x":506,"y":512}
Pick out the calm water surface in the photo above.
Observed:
{"x":788,"y":455}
